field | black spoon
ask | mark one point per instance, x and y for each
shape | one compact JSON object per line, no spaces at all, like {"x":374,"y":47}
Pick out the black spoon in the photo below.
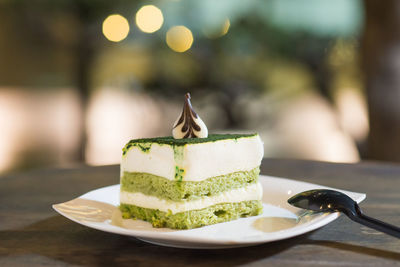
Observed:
{"x":325,"y":200}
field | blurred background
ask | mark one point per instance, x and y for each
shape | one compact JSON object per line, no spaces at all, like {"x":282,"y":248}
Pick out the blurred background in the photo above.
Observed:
{"x":317,"y":79}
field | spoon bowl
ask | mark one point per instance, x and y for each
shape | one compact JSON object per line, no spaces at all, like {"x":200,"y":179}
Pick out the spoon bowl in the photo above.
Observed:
{"x":326,"y":200}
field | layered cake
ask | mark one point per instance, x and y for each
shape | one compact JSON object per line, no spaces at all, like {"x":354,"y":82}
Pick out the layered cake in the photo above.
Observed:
{"x":191,"y":179}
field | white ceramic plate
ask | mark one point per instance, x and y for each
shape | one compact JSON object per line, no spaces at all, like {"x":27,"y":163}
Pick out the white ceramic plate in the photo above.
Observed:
{"x":98,"y":209}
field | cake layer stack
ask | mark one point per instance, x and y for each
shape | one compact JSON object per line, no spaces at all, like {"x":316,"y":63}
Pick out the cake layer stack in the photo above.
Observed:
{"x":191,"y":182}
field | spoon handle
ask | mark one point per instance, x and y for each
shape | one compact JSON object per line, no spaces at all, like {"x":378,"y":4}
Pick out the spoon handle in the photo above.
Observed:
{"x":375,"y":224}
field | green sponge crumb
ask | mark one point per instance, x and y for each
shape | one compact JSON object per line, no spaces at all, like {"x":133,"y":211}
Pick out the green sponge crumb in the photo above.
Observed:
{"x":179,"y":190}
{"x":194,"y":218}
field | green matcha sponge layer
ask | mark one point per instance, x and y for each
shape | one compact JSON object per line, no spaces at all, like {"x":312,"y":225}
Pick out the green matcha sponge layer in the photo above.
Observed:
{"x":194,"y":218}
{"x":161,"y":187}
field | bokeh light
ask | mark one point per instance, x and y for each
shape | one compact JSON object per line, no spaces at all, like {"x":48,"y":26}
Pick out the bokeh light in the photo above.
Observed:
{"x":149,"y":19}
{"x":179,"y":38}
{"x":218,"y":32}
{"x":225,"y":27}
{"x":115,"y":28}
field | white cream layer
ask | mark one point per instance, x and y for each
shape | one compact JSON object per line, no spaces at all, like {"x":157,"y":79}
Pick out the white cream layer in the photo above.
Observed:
{"x":200,"y":161}
{"x":251,"y":192}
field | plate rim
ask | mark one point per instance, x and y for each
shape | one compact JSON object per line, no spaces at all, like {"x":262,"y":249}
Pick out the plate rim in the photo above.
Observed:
{"x":312,"y":225}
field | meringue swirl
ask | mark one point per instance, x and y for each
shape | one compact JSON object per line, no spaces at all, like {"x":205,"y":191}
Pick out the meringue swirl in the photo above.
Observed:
{"x":189,"y":124}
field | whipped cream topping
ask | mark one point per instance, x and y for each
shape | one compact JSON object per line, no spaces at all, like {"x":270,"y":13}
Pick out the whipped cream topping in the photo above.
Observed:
{"x":189,"y":124}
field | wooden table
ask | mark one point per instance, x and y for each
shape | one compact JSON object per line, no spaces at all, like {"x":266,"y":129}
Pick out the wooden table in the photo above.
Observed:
{"x":32,"y":234}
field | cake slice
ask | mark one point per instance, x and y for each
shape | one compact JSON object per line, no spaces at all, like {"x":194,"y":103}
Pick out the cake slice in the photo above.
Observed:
{"x":190,"y":182}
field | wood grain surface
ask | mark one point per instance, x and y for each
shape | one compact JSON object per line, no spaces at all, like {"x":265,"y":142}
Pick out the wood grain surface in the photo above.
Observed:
{"x":32,"y":234}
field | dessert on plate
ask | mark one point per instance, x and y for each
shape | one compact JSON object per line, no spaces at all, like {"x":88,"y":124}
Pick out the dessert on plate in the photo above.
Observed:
{"x":191,"y":179}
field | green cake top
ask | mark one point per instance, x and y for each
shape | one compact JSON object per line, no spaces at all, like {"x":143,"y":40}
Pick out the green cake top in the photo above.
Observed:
{"x":143,"y":143}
